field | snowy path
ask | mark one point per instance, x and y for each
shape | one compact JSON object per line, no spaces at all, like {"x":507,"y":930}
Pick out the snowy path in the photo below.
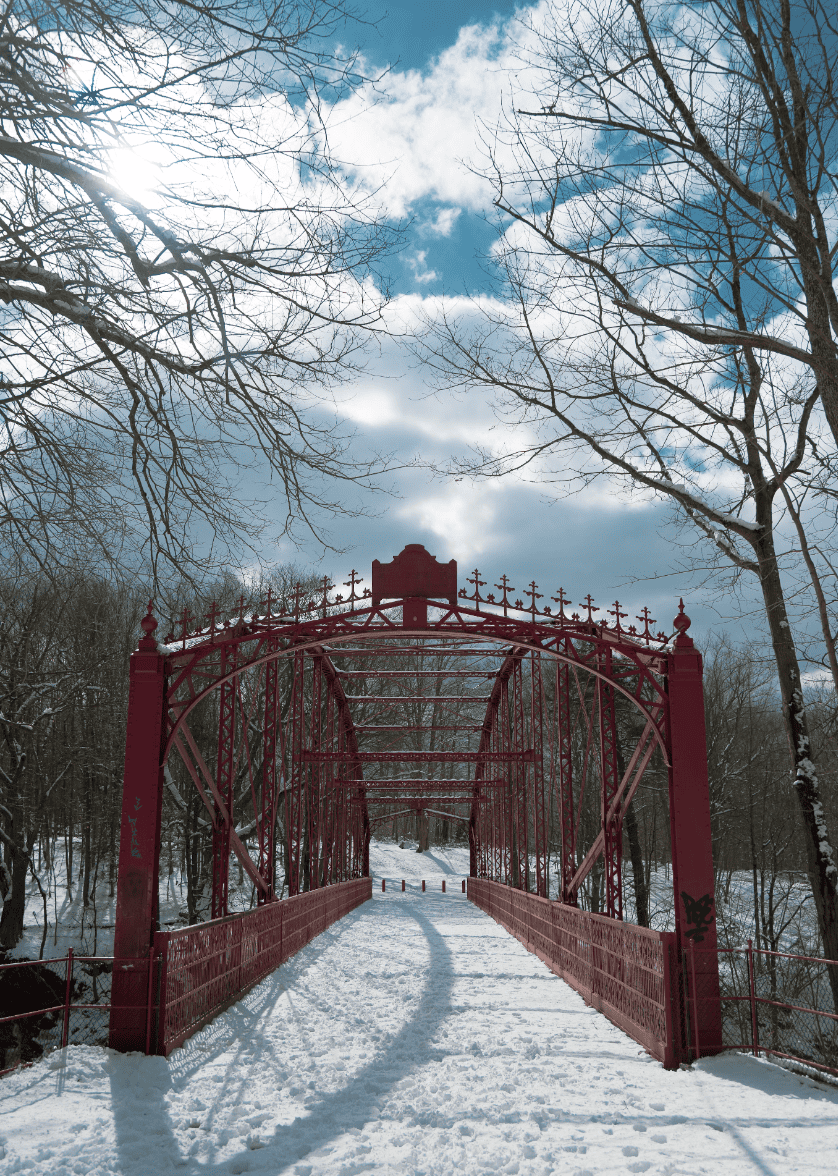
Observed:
{"x":415,"y":1036}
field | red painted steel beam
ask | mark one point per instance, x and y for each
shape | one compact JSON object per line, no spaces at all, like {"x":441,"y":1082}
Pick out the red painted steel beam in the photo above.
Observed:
{"x":403,"y":650}
{"x":425,"y":757}
{"x":395,"y":727}
{"x":139,"y":843}
{"x":397,"y":781}
{"x":376,"y":673}
{"x":400,"y":699}
{"x":689,"y":814}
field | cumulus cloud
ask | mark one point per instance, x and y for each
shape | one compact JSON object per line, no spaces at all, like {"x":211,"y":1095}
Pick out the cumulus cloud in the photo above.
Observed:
{"x":443,"y":223}
{"x":420,"y":138}
{"x":418,"y":264}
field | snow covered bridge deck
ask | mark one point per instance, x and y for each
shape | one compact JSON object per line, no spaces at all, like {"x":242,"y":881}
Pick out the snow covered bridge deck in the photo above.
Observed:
{"x":415,"y":1036}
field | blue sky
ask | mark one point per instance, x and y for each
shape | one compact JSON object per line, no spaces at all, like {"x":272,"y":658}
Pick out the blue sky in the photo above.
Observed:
{"x":416,"y":138}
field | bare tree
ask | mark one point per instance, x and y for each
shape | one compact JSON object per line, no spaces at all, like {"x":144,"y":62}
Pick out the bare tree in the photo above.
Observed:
{"x":182,"y":274}
{"x":646,"y":272}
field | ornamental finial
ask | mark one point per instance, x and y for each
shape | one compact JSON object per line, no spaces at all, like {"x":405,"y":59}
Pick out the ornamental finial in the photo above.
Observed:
{"x":148,"y":624}
{"x":682,"y":622}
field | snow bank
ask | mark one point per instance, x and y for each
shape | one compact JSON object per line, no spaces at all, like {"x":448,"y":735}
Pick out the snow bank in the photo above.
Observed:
{"x":413,"y":1037}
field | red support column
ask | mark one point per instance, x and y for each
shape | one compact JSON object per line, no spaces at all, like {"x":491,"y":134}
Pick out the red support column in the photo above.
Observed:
{"x":610,"y":782}
{"x":567,"y":814}
{"x":225,"y":779}
{"x":139,"y":844}
{"x":689,"y":814}
{"x":294,"y":789}
{"x":267,"y":816}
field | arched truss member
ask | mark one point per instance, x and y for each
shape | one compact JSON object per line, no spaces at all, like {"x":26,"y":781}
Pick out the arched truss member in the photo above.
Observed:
{"x":282,"y":694}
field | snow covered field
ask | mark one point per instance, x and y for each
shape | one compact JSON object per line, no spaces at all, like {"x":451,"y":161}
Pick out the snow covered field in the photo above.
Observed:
{"x":413,"y":1037}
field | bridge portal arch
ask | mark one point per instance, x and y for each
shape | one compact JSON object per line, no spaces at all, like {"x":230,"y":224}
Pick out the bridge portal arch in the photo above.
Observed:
{"x":301,"y":723}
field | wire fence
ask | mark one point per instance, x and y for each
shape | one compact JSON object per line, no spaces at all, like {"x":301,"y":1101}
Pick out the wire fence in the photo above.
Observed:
{"x":773,"y":1003}
{"x":47,"y":1004}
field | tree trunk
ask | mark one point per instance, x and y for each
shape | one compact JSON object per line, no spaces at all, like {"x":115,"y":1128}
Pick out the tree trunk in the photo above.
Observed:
{"x":641,"y":889}
{"x":14,"y":908}
{"x":823,"y":873}
{"x":641,"y":893}
{"x":422,"y":830}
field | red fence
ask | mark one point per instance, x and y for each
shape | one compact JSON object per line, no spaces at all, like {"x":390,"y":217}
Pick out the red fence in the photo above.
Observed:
{"x":774,"y":1003}
{"x":203,"y":969}
{"x":624,"y":971}
{"x":47,"y":1004}
{"x":198,"y":971}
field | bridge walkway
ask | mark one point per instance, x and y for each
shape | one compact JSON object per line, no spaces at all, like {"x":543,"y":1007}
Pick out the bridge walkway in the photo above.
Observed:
{"x":415,"y":1036}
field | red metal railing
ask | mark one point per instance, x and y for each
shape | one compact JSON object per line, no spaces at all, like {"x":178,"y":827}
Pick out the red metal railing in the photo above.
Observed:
{"x":198,"y":971}
{"x":625,"y":972}
{"x":773,"y":1003}
{"x":203,"y":969}
{"x":79,"y":1018}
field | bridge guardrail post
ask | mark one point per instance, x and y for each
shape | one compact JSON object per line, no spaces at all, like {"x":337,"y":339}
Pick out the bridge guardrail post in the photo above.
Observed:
{"x":68,"y":991}
{"x":139,"y":844}
{"x":689,"y":814}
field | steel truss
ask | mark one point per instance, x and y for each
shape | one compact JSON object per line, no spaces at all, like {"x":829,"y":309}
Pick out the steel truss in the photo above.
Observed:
{"x":329,"y":709}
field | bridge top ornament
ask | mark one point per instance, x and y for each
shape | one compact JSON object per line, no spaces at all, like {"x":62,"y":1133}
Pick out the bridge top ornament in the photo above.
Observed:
{"x":414,"y":572}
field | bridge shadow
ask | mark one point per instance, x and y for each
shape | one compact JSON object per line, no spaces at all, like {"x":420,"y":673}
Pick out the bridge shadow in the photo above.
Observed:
{"x":144,"y":1129}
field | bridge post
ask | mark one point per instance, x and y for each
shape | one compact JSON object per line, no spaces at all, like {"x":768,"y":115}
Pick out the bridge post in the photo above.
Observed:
{"x":692,"y":854}
{"x":139,"y":844}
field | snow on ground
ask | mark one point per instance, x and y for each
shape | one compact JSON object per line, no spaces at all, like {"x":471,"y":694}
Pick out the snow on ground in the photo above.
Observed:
{"x":388,"y":861}
{"x":413,"y":1037}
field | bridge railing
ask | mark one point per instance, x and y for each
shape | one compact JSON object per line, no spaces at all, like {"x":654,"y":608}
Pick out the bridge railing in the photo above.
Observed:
{"x":203,"y":969}
{"x":624,"y":971}
{"x":775,"y":1003}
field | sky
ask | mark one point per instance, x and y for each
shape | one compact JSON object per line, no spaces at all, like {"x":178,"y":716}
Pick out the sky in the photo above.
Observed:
{"x":416,"y":138}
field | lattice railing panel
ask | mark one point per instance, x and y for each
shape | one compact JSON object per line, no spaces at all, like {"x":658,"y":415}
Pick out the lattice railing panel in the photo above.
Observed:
{"x":206,"y":967}
{"x":620,"y":969}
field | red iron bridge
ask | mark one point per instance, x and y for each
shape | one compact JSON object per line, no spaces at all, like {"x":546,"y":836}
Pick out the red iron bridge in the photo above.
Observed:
{"x":302,"y":723}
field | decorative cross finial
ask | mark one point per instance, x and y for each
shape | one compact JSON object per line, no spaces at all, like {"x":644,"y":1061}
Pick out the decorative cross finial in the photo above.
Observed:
{"x":534,"y":596}
{"x":561,"y":600}
{"x":478,"y":584}
{"x":616,"y":614}
{"x":324,"y":601}
{"x":353,"y":580}
{"x":647,"y":621}
{"x":505,"y":587}
{"x":212,"y":617}
{"x":588,"y":603}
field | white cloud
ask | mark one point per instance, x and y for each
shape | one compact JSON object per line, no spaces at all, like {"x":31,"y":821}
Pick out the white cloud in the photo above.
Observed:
{"x":420,"y":271}
{"x":416,"y":140}
{"x":443,"y":223}
{"x":463,"y":516}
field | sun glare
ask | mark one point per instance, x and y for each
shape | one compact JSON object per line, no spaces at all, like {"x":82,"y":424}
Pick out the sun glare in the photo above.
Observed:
{"x":135,"y":174}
